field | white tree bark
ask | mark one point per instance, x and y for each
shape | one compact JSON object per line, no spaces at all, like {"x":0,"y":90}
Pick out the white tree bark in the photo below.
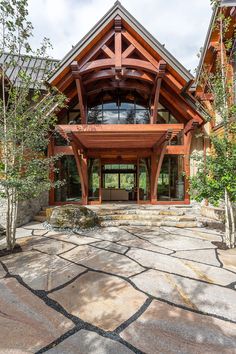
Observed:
{"x":227,"y":221}
{"x":232,"y":217}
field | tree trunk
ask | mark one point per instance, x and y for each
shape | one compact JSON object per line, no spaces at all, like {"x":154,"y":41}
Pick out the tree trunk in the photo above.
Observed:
{"x":232,"y":217}
{"x":12,"y":206}
{"x":227,"y":237}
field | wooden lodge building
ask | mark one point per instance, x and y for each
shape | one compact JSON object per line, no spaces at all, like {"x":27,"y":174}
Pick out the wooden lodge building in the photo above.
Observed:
{"x":130,"y":120}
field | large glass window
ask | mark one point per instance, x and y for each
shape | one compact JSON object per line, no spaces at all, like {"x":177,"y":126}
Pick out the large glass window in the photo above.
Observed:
{"x":94,"y":178}
{"x":164,"y":116}
{"x":144,"y":179}
{"x":120,"y":111}
{"x":111,"y":180}
{"x":171,"y":179}
{"x":120,"y":176}
{"x":67,"y":173}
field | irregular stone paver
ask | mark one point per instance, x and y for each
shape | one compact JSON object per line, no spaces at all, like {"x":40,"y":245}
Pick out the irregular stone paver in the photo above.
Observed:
{"x":41,"y":271}
{"x":2,"y":271}
{"x":109,"y":234}
{"x":179,"y":243}
{"x":48,"y":245}
{"x":195,"y":295}
{"x":167,"y":329}
{"x":228,"y":259}
{"x":75,"y":239}
{"x":199,"y":233}
{"x":145,"y":245}
{"x":34,"y":225}
{"x":103,"y":260}
{"x":103,"y":300}
{"x":26,"y":323}
{"x":20,"y":232}
{"x":39,"y":232}
{"x":89,"y":342}
{"x":182,"y":267}
{"x":202,"y":256}
{"x":145,"y":232}
{"x":110,"y":246}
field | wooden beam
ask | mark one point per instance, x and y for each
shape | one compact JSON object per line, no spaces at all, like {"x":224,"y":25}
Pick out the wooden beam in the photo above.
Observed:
{"x":80,"y":169}
{"x":118,"y":50}
{"x":126,"y":73}
{"x":89,"y":56}
{"x":141,"y":49}
{"x":123,"y":84}
{"x":165,"y":137}
{"x":116,"y":62}
{"x":139,"y":64}
{"x":180,"y":104}
{"x":65,"y":82}
{"x":108,"y":51}
{"x":191,"y":125}
{"x":79,"y":144}
{"x":80,"y":92}
{"x":161,"y":72}
{"x":128,"y":51}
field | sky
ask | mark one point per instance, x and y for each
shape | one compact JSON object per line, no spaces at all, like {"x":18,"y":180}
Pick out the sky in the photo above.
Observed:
{"x":179,"y":24}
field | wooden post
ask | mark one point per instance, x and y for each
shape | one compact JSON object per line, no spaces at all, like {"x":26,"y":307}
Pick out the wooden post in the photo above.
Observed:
{"x":81,"y":163}
{"x":100,"y":181}
{"x":153,"y":174}
{"x":138,"y":180}
{"x":187,"y":143}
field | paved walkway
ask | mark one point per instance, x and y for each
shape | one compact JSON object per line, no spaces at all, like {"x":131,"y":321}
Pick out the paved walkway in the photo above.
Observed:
{"x":118,"y":290}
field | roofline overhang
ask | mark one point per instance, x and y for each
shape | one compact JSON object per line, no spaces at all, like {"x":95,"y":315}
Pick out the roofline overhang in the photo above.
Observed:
{"x":206,"y":44}
{"x":118,"y":9}
{"x":208,"y":37}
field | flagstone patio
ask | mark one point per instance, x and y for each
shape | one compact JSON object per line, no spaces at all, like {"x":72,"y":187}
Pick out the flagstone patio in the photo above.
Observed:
{"x":118,"y":290}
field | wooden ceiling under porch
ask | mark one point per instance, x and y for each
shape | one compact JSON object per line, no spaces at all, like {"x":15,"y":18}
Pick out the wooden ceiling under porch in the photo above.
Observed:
{"x":119,"y":141}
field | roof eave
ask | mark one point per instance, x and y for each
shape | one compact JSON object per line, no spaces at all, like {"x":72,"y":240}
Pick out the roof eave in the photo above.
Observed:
{"x":206,"y":44}
{"x":118,"y":9}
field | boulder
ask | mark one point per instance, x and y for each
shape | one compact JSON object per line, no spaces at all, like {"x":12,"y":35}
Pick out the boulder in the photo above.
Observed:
{"x":72,"y":217}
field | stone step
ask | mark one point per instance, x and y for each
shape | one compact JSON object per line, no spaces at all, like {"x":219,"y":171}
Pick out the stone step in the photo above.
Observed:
{"x":147,"y":217}
{"x":187,"y":224}
{"x":145,"y":212}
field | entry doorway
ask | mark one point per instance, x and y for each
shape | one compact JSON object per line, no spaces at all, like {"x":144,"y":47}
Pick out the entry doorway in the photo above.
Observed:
{"x":119,"y":182}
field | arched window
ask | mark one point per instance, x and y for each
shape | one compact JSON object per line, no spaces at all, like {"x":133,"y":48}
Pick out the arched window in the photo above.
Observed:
{"x":121,"y":108}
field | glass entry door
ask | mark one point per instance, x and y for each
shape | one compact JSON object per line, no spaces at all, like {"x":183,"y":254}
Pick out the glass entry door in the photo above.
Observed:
{"x":119,"y":182}
{"x":144,"y":177}
{"x":94,"y":173}
{"x":171,"y":179}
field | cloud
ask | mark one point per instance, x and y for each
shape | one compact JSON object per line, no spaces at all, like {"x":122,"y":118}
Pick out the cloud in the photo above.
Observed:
{"x":180,"y":24}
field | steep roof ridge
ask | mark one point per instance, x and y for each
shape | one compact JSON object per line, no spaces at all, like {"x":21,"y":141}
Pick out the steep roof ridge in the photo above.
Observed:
{"x":118,"y":9}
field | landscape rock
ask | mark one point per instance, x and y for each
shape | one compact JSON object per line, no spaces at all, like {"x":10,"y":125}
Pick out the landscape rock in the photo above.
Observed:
{"x":72,"y":217}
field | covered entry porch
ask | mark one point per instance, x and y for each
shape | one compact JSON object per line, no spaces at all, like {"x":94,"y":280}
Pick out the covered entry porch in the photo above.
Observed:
{"x":129,"y":163}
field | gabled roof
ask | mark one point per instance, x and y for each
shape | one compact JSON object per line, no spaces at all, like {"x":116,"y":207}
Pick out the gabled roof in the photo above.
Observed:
{"x":118,"y":9}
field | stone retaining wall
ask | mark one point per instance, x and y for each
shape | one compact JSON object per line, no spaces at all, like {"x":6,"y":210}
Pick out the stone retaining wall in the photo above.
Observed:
{"x":27,"y":209}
